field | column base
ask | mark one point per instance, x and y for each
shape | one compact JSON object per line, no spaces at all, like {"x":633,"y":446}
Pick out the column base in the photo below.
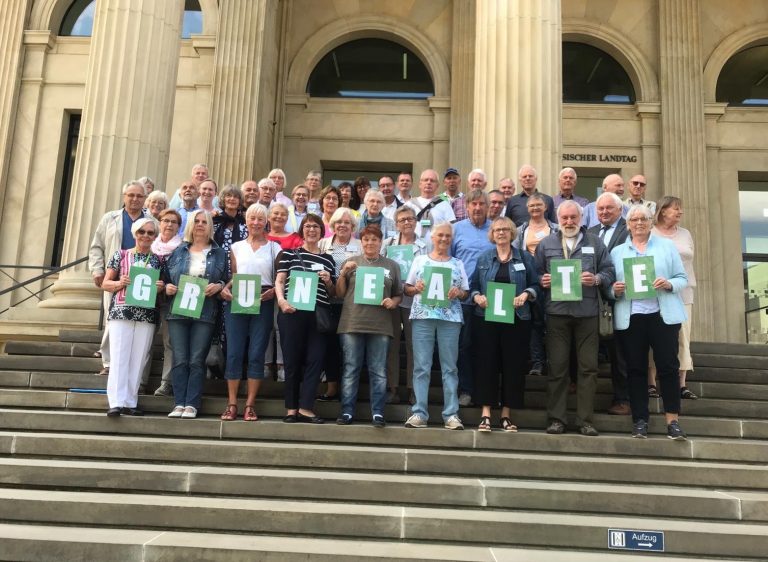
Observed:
{"x":76,"y":291}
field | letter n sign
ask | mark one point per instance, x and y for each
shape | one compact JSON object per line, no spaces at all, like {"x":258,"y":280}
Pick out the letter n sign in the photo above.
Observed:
{"x":302,"y":290}
{"x":566,"y":280}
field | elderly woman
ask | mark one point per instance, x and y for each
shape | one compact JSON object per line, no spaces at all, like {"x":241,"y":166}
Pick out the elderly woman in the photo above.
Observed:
{"x":650,"y":323}
{"x":131,"y":327}
{"x":405,"y":221}
{"x":341,"y":246}
{"x":372,"y":215}
{"x":156,"y":202}
{"x":436,"y":320}
{"x":313,"y":183}
{"x":298,"y":210}
{"x":278,"y":178}
{"x":197,"y":256}
{"x":162,"y":247}
{"x":669,"y":211}
{"x":366,"y":328}
{"x":206,"y":200}
{"x":502,"y":347}
{"x":149,"y":185}
{"x":330,"y":198}
{"x":249,"y":332}
{"x":278,"y":217}
{"x":303,"y":344}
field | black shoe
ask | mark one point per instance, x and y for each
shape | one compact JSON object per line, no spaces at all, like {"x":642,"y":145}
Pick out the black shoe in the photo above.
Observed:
{"x":344,"y":419}
{"x":132,"y":412}
{"x":290,"y":418}
{"x":328,"y":398}
{"x":537,"y":370}
{"x":640,"y":429}
{"x":556,"y":427}
{"x":113,"y":412}
{"x":588,"y":430}
{"x":686,"y":394}
{"x":675,"y":433}
{"x":301,"y":418}
{"x":378,"y":421}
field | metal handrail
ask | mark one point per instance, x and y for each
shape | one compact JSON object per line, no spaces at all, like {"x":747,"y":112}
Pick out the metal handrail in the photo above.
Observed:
{"x":51,"y":271}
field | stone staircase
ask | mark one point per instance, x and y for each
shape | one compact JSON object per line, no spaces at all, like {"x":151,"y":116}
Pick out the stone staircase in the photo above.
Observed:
{"x":76,"y":485}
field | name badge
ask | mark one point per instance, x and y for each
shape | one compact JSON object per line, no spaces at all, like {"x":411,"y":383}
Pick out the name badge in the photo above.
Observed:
{"x":519,"y":266}
{"x":587,"y":250}
{"x":540,"y":235}
{"x":425,"y":222}
{"x":317,"y":267}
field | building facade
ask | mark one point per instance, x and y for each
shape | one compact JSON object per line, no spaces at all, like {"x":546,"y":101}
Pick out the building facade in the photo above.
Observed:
{"x":94,"y":93}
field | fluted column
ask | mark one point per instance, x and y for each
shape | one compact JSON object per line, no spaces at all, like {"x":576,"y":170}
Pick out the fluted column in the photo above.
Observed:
{"x":462,"y":86}
{"x":127,"y":117}
{"x":518,"y":88}
{"x":236,"y":104}
{"x":684,"y":160}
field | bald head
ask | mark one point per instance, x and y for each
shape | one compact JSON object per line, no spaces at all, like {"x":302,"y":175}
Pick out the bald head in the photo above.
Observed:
{"x":428,"y":183}
{"x":614,"y":183}
{"x":528,"y":177}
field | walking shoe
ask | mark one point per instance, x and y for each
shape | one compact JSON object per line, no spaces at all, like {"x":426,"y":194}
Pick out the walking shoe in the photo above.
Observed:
{"x":619,"y":409}
{"x":176,"y":412}
{"x":132,"y":412}
{"x":675,"y":433}
{"x":556,"y":427}
{"x":687,"y":394}
{"x":416,"y":421}
{"x":190,"y":412}
{"x":465,"y":399}
{"x":536,"y":370}
{"x":164,"y":389}
{"x":453,"y":423}
{"x":114,"y":412}
{"x":588,"y":430}
{"x":378,"y":421}
{"x":640,"y":429}
{"x":344,"y":419}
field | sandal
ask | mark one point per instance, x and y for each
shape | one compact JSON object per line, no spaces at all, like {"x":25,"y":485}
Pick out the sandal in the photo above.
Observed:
{"x":230,"y":414}
{"x":507,"y":425}
{"x":653,"y":391}
{"x":485,"y":424}
{"x":687,"y":394}
{"x":249,"y":414}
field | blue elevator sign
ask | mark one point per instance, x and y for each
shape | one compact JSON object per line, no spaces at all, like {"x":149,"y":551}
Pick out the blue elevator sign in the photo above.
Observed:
{"x":624,"y":539}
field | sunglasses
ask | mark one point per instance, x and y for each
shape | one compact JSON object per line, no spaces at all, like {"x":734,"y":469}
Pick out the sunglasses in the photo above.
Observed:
{"x":142,"y":232}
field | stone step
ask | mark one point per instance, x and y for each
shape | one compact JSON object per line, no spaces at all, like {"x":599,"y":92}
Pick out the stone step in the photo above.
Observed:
{"x":64,"y":349}
{"x":49,"y":543}
{"x":80,"y":336}
{"x":728,"y":375}
{"x":756,"y":362}
{"x":708,"y":348}
{"x":40,"y":363}
{"x":386,"y":522}
{"x":432,"y":490}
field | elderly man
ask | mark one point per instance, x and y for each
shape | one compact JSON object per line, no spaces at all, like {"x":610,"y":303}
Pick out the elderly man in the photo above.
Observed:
{"x":112,"y":234}
{"x":566,"y":181}
{"x":477,"y":179}
{"x":189,"y":193}
{"x":391,"y":203}
{"x":430,"y":209}
{"x":637,"y":193}
{"x":517,"y":206}
{"x":404,"y":185}
{"x":507,"y":187}
{"x":250,"y":190}
{"x":278,"y":177}
{"x":470,"y":239}
{"x":267,"y":192}
{"x":496,"y":204}
{"x":573,"y":322}
{"x":613,"y":183}
{"x":453,"y":194}
{"x":612,"y":230}
{"x":198,"y":174}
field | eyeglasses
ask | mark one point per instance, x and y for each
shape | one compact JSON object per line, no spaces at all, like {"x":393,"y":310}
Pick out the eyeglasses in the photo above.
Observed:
{"x":639,"y":219}
{"x":406,"y":219}
{"x":142,"y":232}
{"x":638,"y":183}
{"x":505,"y":229}
{"x":306,"y":226}
{"x":169,"y":221}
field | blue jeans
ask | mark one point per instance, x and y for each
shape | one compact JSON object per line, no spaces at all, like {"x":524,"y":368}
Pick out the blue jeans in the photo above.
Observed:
{"x":466,"y":351}
{"x":252,"y":330}
{"x":190,"y":340}
{"x":425,"y":332}
{"x":374,"y":347}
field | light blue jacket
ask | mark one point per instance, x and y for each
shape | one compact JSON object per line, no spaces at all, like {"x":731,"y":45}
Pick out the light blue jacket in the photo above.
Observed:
{"x":667,"y":263}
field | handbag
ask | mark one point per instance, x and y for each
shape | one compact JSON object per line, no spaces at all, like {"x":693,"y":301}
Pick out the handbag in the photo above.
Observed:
{"x":324,"y":322}
{"x":604,"y":317}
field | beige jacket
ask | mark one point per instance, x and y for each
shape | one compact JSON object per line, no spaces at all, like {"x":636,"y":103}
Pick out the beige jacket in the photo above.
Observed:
{"x":106,"y":241}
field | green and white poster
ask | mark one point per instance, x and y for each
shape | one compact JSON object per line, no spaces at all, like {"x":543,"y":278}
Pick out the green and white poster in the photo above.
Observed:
{"x":501,"y":302}
{"x":437,"y":283}
{"x":302,"y":290}
{"x":639,"y":275}
{"x":142,"y":290}
{"x":402,"y":256}
{"x":246,"y":294}
{"x":566,"y":280}
{"x":190,"y":296}
{"x":369,"y":285}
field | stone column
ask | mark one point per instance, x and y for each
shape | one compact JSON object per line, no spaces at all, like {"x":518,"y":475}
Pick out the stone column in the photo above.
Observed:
{"x":127,"y":117}
{"x":684,"y":162}
{"x":236,"y":105}
{"x":462,"y":87}
{"x":518,"y":88}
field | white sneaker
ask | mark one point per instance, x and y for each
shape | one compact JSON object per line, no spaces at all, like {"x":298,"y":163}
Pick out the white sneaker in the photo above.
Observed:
{"x":465,"y":399}
{"x":190,"y":412}
{"x":453,"y":423}
{"x":416,"y":421}
{"x":177,"y":412}
{"x":280,"y":373}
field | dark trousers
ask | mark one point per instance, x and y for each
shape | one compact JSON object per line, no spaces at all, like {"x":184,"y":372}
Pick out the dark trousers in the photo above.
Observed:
{"x":466,"y":351}
{"x":618,"y":372}
{"x":303,"y":356}
{"x":648,"y":331}
{"x":563,"y":333}
{"x":538,"y":330}
{"x":500,"y":349}
{"x":333,"y":355}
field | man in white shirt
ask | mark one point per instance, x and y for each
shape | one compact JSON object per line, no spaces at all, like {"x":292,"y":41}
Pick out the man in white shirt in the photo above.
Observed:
{"x":404,"y":185}
{"x":637,"y":193}
{"x":430,"y":208}
{"x":387,"y":188}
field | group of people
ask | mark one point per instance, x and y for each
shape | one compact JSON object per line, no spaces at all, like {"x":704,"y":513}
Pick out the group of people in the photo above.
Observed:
{"x":504,"y":285}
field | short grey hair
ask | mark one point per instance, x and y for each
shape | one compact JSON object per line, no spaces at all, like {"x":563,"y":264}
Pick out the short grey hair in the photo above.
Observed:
{"x":157,"y":196}
{"x":570,"y":203}
{"x":477,"y":195}
{"x":141,"y":222}
{"x":256,"y":209}
{"x":133,"y":183}
{"x":635,"y":209}
{"x":612,"y":196}
{"x":374,"y":194}
{"x":480,"y":172}
{"x":227,"y":191}
{"x":564,"y":170}
{"x":266,"y":182}
{"x":339,"y":213}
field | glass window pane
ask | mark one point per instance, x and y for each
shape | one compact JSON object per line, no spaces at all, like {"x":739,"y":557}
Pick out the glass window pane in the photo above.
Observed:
{"x":193,"y":19}
{"x":744,"y":78}
{"x":78,"y":21}
{"x":593,"y":76}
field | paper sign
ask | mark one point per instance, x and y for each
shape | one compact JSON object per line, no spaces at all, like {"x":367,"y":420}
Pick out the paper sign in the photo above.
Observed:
{"x":402,"y":256}
{"x":566,"y":280}
{"x":501,"y":302}
{"x":369,"y":285}
{"x":437,"y":283}
{"x":639,"y":274}
{"x":246,"y":294}
{"x":190,"y":296}
{"x":302,"y":290}
{"x":142,"y":290}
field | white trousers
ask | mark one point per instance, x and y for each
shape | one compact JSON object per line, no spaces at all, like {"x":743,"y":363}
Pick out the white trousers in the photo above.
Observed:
{"x":104,"y":347}
{"x":129,"y":345}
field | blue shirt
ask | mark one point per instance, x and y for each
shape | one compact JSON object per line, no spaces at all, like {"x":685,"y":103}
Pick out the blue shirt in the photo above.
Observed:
{"x":470,"y":242}
{"x":184,"y":212}
{"x":589,"y":217}
{"x":128,"y":240}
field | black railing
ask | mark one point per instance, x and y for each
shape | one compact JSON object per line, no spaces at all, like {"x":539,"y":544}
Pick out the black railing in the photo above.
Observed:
{"x":48,"y":271}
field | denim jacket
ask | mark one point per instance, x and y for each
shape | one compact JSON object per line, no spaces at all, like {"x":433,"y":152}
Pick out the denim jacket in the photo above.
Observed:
{"x":525,"y":280}
{"x":177,"y":265}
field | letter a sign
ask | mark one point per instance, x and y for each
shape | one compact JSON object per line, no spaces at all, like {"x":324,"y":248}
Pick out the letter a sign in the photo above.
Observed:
{"x":566,"y":280}
{"x":189,"y":297}
{"x":639,"y":274}
{"x":142,"y":290}
{"x":302,"y":290}
{"x":437,"y":283}
{"x":369,"y":285}
{"x":501,"y":302}
{"x":246,"y":294}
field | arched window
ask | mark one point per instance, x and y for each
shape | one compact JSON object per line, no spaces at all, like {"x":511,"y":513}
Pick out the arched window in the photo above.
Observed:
{"x":370,"y":68}
{"x":591,"y":75}
{"x":744,"y":78}
{"x":193,"y":19}
{"x":78,"y":21}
